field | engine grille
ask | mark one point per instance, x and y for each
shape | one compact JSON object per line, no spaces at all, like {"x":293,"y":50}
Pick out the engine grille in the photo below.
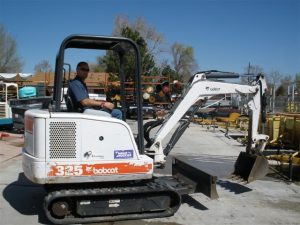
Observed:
{"x":62,"y":140}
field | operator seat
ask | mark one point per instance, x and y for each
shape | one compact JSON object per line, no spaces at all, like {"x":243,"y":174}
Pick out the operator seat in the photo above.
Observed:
{"x":70,"y":104}
{"x":71,"y":108}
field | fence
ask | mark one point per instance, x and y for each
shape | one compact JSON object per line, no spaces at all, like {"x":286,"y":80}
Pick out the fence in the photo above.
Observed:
{"x":284,"y":104}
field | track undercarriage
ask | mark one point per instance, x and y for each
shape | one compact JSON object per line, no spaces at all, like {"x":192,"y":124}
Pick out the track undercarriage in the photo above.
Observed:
{"x":126,"y":200}
{"x":118,"y":201}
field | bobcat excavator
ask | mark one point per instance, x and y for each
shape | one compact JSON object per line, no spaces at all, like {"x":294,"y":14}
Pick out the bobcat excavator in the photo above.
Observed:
{"x":94,"y":169}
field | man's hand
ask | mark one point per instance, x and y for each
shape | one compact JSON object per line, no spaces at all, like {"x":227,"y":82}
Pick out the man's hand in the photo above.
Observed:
{"x":92,"y":102}
{"x":108,"y":105}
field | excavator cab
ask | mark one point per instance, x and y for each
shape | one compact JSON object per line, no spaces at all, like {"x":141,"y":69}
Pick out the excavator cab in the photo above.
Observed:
{"x":120,"y":46}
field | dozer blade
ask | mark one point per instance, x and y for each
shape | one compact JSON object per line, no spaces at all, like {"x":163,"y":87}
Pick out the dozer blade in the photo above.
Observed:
{"x":250,"y":167}
{"x":195,"y":178}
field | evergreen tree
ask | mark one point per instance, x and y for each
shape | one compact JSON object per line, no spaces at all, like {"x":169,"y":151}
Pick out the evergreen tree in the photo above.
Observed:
{"x":111,"y":60}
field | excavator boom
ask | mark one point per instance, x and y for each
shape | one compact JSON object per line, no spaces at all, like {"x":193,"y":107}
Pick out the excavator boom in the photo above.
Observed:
{"x":202,"y":88}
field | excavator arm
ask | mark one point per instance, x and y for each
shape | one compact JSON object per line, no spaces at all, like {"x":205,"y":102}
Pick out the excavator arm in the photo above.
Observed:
{"x":201,"y":87}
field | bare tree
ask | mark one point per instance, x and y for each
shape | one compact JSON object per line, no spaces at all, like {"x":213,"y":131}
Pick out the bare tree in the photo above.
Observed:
{"x":96,"y":67}
{"x":183,"y":60}
{"x":10,"y":62}
{"x":285,"y":82}
{"x":274,"y":78}
{"x":250,"y":71}
{"x":44,"y":66}
{"x":155,"y":40}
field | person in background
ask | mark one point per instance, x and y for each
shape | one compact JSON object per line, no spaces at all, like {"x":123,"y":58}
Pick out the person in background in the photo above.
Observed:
{"x":163,"y":92}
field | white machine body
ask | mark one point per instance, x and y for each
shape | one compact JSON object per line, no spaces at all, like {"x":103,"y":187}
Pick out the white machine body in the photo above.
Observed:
{"x":66,"y":147}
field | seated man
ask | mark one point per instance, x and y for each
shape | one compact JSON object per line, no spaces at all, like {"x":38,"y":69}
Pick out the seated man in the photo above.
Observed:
{"x":78,"y":92}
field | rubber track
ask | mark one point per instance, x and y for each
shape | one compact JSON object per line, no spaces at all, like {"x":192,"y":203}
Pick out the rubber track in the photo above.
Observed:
{"x":147,"y":188}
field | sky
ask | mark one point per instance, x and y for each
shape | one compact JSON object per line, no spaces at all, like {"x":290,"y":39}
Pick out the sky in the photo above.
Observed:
{"x":226,"y":35}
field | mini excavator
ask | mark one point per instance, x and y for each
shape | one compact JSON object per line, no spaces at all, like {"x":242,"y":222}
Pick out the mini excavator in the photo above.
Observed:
{"x":94,"y":169}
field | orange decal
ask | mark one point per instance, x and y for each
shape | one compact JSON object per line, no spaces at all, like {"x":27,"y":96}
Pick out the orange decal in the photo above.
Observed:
{"x":98,"y":169}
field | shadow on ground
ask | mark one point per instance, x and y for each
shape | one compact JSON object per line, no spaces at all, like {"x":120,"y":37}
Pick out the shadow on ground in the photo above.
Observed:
{"x":26,"y":197}
{"x":193,"y":203}
{"x":233,"y":187}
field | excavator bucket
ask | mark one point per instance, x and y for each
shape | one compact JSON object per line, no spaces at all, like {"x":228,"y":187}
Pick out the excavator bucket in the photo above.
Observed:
{"x":250,"y":167}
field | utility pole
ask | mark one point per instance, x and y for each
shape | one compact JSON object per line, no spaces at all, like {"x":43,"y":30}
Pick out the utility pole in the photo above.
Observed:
{"x":249,"y":73}
{"x":273,"y":97}
{"x":293,"y":92}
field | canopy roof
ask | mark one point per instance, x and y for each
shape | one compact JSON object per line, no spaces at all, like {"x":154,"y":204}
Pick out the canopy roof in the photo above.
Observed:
{"x":8,"y":76}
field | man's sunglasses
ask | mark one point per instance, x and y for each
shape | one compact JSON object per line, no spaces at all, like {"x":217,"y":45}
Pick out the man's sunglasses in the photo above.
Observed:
{"x":85,"y":69}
